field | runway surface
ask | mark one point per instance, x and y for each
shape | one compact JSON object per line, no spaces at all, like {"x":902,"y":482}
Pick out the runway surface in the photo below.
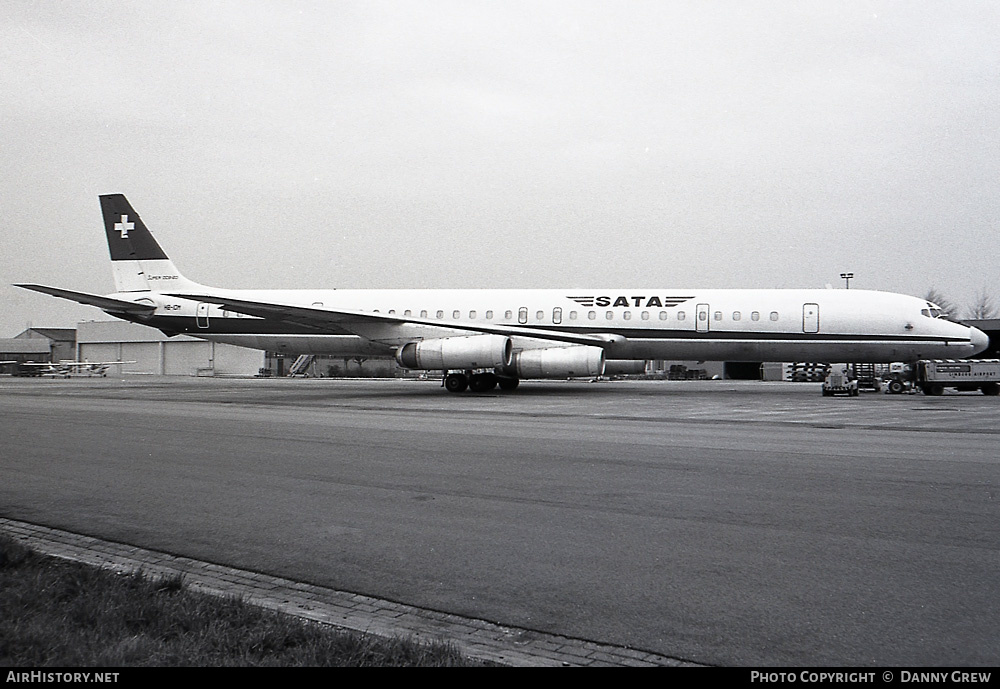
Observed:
{"x":719,"y":522}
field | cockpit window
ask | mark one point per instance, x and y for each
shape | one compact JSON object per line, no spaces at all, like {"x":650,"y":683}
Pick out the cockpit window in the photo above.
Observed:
{"x":933,"y":311}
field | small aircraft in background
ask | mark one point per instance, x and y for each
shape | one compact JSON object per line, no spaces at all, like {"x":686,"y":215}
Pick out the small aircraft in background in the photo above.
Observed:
{"x":64,"y":368}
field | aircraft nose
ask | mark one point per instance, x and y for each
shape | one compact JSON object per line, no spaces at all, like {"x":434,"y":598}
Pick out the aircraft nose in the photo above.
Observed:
{"x":980,"y":340}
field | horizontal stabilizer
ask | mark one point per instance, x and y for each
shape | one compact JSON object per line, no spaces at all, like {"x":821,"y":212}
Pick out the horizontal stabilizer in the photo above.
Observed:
{"x":105,"y":303}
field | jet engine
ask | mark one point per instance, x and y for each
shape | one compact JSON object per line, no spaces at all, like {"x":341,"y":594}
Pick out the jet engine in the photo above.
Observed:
{"x":621,"y":367}
{"x":557,"y":362}
{"x":474,"y":351}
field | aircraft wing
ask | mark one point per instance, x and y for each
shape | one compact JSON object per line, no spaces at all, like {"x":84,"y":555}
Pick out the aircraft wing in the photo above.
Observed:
{"x":341,"y":320}
{"x":82,"y":364}
{"x":104,"y":303}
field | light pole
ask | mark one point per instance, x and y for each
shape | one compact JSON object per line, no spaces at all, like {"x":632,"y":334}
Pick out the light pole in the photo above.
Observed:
{"x":847,"y":278}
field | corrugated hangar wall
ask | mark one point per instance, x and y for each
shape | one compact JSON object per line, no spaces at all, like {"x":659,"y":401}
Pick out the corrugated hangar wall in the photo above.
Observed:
{"x":154,"y":353}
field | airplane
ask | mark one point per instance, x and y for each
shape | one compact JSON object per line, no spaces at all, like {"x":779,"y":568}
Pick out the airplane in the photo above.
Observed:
{"x":24,"y":369}
{"x":20,"y":368}
{"x":484,"y":338}
{"x":66,"y":368}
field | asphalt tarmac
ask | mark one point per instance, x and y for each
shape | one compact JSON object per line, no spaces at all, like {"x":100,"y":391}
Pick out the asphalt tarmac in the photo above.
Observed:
{"x":720,"y":522}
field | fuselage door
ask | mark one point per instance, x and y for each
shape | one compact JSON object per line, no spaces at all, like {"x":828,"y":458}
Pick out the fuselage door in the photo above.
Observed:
{"x":202,"y":315}
{"x":810,"y":318}
{"x":701,"y":318}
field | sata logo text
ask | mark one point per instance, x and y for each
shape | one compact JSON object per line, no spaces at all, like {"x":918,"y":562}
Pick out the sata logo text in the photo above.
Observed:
{"x":631,"y":301}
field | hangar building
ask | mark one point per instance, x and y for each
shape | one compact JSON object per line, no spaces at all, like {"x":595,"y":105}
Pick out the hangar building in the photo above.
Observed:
{"x":155,"y":353}
{"x":39,"y":345}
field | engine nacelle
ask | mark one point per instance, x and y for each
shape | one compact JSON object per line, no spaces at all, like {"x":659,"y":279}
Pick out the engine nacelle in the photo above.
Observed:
{"x":623,"y":367}
{"x":474,"y":351}
{"x":558,"y":362}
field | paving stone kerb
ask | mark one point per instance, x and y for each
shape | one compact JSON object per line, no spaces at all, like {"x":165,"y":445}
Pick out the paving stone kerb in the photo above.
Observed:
{"x":477,"y":639}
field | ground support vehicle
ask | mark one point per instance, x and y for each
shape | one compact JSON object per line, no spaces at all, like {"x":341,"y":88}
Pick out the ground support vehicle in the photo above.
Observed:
{"x":932,"y":376}
{"x":840,"y":381}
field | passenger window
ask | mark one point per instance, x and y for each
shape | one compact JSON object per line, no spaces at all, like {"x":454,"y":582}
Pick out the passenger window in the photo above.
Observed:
{"x":472,"y":315}
{"x":539,"y":315}
{"x":440,"y":314}
{"x":407,"y":313}
{"x":681,"y":315}
{"x":423,"y":313}
{"x":627,"y":315}
{"x":774,"y":315}
{"x":508,"y":315}
{"x":572,"y":315}
{"x":737,"y":315}
{"x":591,"y":315}
{"x":718,"y":315}
{"x":755,"y":316}
{"x":663,"y":315}
{"x":610,"y":315}
{"x":456,"y":314}
{"x":645,"y":315}
{"x":489,"y":315}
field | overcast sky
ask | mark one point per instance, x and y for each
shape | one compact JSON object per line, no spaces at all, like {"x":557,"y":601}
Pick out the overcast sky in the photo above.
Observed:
{"x":503,"y":144}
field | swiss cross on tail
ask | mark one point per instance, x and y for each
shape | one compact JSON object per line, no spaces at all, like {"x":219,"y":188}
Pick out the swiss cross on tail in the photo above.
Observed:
{"x":124,"y":226}
{"x":128,"y":238}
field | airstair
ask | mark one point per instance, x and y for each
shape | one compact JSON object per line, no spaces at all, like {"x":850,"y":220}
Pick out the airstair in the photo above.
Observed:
{"x":869,"y":376}
{"x":301,"y":364}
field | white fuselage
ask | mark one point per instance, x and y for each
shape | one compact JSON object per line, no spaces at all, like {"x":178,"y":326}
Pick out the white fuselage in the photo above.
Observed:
{"x":657,"y":323}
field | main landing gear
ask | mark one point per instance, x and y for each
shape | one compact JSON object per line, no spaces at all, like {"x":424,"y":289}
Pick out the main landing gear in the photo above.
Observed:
{"x":477,"y":382}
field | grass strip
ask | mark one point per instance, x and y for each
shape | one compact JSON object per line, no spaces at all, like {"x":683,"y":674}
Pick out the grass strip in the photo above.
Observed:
{"x":54,"y":612}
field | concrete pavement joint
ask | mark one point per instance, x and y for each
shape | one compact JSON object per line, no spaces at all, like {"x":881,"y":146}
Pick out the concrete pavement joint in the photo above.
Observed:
{"x":478,"y":639}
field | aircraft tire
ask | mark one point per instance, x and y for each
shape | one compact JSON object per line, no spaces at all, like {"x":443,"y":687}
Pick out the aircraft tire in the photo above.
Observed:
{"x":509,"y":383}
{"x":482,"y":382}
{"x":456,"y":382}
{"x":991,"y":389}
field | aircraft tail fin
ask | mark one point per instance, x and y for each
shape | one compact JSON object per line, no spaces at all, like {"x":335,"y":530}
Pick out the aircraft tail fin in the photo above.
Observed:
{"x":137,"y":261}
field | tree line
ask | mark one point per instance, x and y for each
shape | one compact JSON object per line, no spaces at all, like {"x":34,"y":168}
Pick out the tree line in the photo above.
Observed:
{"x":982,"y":306}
